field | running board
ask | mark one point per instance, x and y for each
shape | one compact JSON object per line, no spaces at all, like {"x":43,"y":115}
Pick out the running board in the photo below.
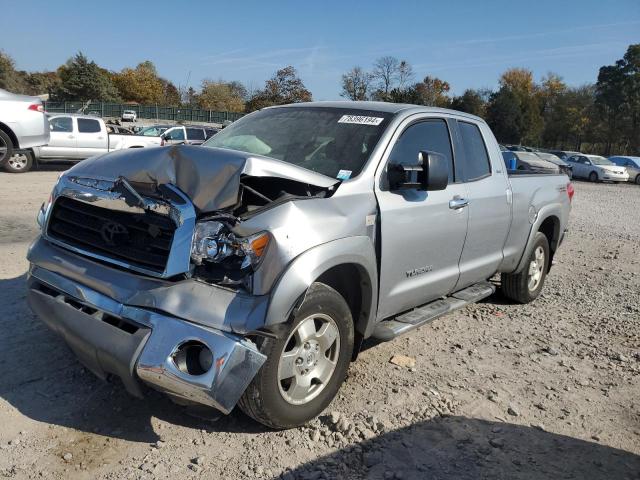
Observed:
{"x":390,"y":329}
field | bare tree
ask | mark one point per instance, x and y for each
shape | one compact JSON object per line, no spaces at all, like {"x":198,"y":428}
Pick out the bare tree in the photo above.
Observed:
{"x":385,"y":71}
{"x":405,"y":74}
{"x":356,"y":84}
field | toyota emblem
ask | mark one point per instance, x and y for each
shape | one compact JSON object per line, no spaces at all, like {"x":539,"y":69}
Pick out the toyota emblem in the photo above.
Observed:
{"x":114,"y":233}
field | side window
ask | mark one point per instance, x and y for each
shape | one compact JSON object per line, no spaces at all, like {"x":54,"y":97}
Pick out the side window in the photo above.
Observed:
{"x":61,"y":124}
{"x":475,"y":152}
{"x":88,"y":126}
{"x":177,"y":134}
{"x":195,"y":134}
{"x":428,"y":135}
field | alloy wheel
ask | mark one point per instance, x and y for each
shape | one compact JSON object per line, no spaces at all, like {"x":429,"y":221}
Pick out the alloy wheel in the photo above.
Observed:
{"x":308,"y":359}
{"x":19,"y":161}
{"x":536,"y":269}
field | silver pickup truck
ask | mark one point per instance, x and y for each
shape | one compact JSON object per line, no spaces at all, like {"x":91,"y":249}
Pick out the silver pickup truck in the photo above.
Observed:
{"x":250,"y":270}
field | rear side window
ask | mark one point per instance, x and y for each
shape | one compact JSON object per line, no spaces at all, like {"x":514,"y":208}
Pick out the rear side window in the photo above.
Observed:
{"x":195,"y":134}
{"x":428,"y":135}
{"x":61,"y":124}
{"x":475,"y":152}
{"x":88,"y":126}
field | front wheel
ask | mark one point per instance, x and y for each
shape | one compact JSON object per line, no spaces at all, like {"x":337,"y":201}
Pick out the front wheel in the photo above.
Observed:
{"x":524,"y":287}
{"x":593,"y":177}
{"x":637,"y":181}
{"x":306,"y":366}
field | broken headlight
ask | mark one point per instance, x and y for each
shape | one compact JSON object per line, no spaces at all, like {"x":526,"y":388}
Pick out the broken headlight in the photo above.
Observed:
{"x":225,"y":256}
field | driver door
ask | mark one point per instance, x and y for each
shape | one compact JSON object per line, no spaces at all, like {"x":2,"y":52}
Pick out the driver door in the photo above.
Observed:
{"x":422,"y":233}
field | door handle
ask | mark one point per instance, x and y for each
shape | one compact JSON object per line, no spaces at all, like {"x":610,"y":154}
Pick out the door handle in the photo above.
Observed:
{"x":70,"y":136}
{"x":457,"y":202}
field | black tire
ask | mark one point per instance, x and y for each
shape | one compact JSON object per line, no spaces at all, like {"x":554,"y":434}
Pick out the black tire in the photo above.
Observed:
{"x":515,"y":286}
{"x":6,"y":146}
{"x":593,"y":177}
{"x":19,"y":162}
{"x":637,"y":182}
{"x":263,"y":400}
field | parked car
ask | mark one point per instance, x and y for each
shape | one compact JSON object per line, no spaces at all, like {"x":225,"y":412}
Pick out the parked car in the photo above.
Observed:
{"x":76,"y":137}
{"x":249,"y":270}
{"x":563,"y":154}
{"x":187,"y":135}
{"x":129,"y":116}
{"x":118,"y":129}
{"x":597,"y":169}
{"x":153,"y":130}
{"x":529,"y":162}
{"x":23,"y":125}
{"x":562,"y":165}
{"x":632,"y":164}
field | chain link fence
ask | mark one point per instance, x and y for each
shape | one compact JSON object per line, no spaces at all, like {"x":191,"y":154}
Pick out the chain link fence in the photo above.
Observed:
{"x":156,"y":112}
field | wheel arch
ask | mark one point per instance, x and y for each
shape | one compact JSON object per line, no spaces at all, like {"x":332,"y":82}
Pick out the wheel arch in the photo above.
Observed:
{"x":14,"y":139}
{"x":347,"y":265}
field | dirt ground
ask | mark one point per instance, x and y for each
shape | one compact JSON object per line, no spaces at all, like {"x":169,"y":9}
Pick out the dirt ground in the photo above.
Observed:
{"x":546,"y":390}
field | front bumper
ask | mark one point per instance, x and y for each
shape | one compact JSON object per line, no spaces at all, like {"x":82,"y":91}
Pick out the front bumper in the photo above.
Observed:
{"x":137,"y":344}
{"x":615,"y":177}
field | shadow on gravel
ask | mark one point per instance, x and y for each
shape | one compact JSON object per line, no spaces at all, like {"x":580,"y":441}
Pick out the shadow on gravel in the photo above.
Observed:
{"x":468,"y":448}
{"x":43,"y":380}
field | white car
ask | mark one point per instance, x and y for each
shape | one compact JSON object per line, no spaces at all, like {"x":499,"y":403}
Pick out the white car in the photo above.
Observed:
{"x":76,"y":137}
{"x":22,"y":125}
{"x":129,"y":116}
{"x":597,"y":169}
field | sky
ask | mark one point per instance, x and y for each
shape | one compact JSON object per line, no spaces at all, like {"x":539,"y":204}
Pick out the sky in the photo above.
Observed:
{"x":467,"y":43}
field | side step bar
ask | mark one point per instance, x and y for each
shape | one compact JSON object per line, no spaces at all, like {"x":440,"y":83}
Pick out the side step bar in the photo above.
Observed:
{"x":390,"y":329}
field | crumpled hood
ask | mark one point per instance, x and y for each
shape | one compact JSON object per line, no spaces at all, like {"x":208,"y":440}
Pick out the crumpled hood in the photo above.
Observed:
{"x":210,"y":177}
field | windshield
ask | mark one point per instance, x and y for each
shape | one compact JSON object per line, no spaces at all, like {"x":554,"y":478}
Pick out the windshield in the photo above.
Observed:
{"x":152,"y":131}
{"x":597,"y":160}
{"x":336,"y":142}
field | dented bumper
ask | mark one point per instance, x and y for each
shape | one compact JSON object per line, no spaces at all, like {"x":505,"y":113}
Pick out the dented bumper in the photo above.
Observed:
{"x":140,"y":345}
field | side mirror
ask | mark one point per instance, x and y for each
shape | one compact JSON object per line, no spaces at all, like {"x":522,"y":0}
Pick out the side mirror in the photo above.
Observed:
{"x":429,"y":174}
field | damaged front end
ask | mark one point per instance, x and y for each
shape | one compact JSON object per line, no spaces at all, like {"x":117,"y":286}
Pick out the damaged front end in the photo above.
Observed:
{"x":145,"y":265}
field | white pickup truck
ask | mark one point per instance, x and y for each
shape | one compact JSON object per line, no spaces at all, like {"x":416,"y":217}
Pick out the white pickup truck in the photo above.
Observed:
{"x":76,"y":137}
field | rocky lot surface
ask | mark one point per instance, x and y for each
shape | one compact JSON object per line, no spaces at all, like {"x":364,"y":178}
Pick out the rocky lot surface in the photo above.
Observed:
{"x":497,"y":390}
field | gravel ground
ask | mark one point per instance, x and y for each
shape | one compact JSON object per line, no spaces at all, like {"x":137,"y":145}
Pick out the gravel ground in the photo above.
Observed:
{"x":546,"y":390}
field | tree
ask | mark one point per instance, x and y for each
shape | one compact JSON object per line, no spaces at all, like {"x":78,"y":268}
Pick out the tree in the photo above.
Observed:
{"x":170,"y":94}
{"x":284,"y":87}
{"x":83,"y":80}
{"x":519,"y":83}
{"x":405,"y":74}
{"x":221,"y":96}
{"x":10,"y":78}
{"x":504,"y":116}
{"x":141,"y":84}
{"x":385,"y":72}
{"x":433,"y":92}
{"x":356,"y":84}
{"x":471,"y":101}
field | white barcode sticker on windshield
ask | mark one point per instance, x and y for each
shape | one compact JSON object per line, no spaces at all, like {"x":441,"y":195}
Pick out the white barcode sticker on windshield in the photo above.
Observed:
{"x":360,"y":120}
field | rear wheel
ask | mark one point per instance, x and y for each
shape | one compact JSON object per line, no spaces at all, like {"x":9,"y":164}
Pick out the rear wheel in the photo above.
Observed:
{"x":19,"y":162}
{"x":6,"y":147}
{"x":593,"y":177}
{"x":525,"y":286}
{"x":305,"y":368}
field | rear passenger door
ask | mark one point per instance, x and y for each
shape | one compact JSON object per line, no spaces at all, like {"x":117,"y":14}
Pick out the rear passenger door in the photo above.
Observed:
{"x":421,"y":233}
{"x":489,"y":196}
{"x":92,"y":138}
